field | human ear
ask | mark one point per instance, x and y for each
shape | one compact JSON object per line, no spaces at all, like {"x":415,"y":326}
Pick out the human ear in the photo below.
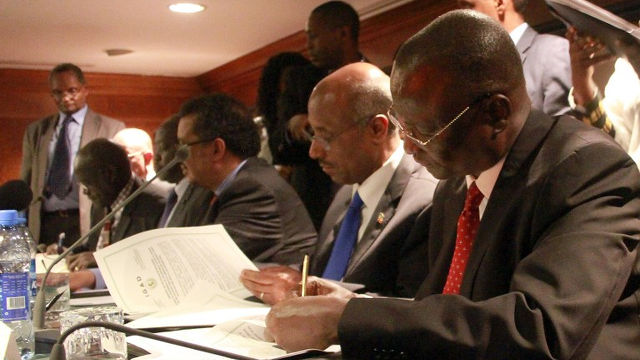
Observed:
{"x":500,"y":7}
{"x":379,"y":126}
{"x":498,"y":110}
{"x":219,"y":148}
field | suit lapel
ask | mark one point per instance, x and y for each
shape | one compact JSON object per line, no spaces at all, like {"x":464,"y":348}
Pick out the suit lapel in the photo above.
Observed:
{"x":43,"y":150}
{"x":90,"y":127}
{"x":507,"y":187}
{"x":525,"y":42}
{"x":384,"y":210}
{"x":335,"y":216}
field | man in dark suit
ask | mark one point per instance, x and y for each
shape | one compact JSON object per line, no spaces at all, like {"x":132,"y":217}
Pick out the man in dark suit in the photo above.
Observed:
{"x":259,"y":210}
{"x":543,"y":261}
{"x":356,"y":144}
{"x":545,"y":58}
{"x":55,"y":212}
{"x":187,"y":203}
{"x":102,"y":167}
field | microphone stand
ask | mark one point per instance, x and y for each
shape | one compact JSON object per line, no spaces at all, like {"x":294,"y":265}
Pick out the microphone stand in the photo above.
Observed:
{"x":58,"y":352}
{"x":39,"y":305}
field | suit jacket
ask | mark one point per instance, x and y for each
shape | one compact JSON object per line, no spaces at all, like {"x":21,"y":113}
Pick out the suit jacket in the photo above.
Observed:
{"x":547,"y":71}
{"x":141,"y":214}
{"x":264,"y":215}
{"x":192,"y":207}
{"x":385,"y":260}
{"x":553,"y":273}
{"x":35,"y":156}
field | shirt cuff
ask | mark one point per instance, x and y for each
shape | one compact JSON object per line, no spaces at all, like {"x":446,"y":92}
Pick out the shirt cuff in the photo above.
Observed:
{"x":100,"y":284}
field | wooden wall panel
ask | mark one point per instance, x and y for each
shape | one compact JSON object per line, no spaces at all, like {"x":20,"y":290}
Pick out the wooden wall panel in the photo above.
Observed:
{"x":144,"y":101}
{"x":139,"y":101}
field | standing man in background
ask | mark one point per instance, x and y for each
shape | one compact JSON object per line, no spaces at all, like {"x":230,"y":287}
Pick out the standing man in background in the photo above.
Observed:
{"x":545,"y":59}
{"x":49,"y":148}
{"x":332,"y":41}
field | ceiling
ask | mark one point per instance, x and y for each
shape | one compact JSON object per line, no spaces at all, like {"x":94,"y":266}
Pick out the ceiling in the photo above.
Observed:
{"x":38,"y":34}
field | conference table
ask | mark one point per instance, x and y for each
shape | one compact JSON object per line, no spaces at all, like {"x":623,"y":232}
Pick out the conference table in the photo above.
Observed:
{"x":45,"y":340}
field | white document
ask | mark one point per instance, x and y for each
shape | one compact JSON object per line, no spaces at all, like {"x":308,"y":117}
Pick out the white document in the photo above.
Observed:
{"x":8,"y":346}
{"x":161,"y":268}
{"x":43,"y":261}
{"x":203,"y":307}
{"x":244,"y":337}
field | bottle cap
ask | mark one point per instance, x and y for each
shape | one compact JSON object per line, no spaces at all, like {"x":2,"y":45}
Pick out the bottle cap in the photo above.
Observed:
{"x":8,"y":217}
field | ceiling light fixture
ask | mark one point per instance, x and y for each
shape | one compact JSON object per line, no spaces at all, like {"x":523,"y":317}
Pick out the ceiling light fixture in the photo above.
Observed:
{"x":118,"y":52}
{"x":186,"y":8}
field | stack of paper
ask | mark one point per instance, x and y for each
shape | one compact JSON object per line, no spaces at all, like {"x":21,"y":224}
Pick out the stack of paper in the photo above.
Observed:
{"x":183,"y":278}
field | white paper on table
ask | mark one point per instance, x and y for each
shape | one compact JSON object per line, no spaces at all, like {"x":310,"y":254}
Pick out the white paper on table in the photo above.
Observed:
{"x":43,"y":261}
{"x":8,"y":346}
{"x":159,"y":268}
{"x":92,"y":301}
{"x":217,"y":308}
{"x":243,"y":336}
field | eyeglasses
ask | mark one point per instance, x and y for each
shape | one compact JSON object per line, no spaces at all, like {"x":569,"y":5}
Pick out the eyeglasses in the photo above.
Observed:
{"x":325,"y":141}
{"x":195,"y":142}
{"x":59,"y":94}
{"x":408,"y":133}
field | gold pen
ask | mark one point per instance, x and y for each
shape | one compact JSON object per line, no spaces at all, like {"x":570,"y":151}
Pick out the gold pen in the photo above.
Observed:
{"x":305,"y":273}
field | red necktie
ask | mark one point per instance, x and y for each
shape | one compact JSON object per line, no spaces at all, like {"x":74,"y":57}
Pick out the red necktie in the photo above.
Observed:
{"x":467,"y":227}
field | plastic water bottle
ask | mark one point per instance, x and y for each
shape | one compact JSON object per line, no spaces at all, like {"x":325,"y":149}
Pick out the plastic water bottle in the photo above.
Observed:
{"x":26,"y":235}
{"x":14,"y":283}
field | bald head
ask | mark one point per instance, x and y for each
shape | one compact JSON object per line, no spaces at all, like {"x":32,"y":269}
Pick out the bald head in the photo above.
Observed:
{"x":359,"y":89}
{"x":137,"y":144}
{"x":474,"y":51}
{"x":462,"y":66}
{"x":347,"y":111}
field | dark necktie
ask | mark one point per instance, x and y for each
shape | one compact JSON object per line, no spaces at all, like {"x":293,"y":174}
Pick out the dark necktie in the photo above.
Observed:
{"x":345,"y":241}
{"x":59,"y":181}
{"x":466,"y":232}
{"x":105,"y":234}
{"x":168,"y":207}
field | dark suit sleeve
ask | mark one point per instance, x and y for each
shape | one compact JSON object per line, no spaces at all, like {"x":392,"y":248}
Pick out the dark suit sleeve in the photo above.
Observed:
{"x":584,"y":237}
{"x":251,"y":217}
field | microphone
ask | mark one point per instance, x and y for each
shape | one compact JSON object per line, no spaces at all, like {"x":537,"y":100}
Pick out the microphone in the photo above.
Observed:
{"x":58,"y":352}
{"x":15,"y":195}
{"x":39,"y":305}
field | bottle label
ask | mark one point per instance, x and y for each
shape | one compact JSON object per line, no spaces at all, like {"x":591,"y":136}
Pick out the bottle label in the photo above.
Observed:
{"x":14,"y":294}
{"x":32,"y":278}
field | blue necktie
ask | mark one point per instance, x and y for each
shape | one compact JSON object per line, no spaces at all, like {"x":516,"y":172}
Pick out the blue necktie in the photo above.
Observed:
{"x":171,"y":203}
{"x":345,"y":241}
{"x":59,"y":181}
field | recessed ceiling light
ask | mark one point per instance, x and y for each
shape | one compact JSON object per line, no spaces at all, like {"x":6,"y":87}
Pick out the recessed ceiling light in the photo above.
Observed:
{"x":186,"y":8}
{"x":118,"y":52}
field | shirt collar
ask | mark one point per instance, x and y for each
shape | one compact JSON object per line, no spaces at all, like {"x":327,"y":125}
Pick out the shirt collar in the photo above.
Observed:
{"x":487,"y":179}
{"x":77,"y":116}
{"x":181,"y":187}
{"x":225,"y":183}
{"x":369,"y":190}
{"x":516,"y":34}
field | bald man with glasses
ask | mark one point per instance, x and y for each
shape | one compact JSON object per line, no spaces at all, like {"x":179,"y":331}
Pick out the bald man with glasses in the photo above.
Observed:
{"x":362,"y":240}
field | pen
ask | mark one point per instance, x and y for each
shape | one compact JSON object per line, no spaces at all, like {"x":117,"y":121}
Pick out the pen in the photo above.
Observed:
{"x":53,"y":301}
{"x":61,"y":242}
{"x":305,"y":273}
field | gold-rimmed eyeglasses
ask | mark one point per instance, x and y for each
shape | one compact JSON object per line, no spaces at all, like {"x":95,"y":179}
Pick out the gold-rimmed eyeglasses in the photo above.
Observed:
{"x":404,"y":129}
{"x":325,"y":141}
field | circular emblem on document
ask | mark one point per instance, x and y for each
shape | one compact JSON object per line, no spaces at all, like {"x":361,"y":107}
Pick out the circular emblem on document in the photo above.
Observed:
{"x":151,"y":283}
